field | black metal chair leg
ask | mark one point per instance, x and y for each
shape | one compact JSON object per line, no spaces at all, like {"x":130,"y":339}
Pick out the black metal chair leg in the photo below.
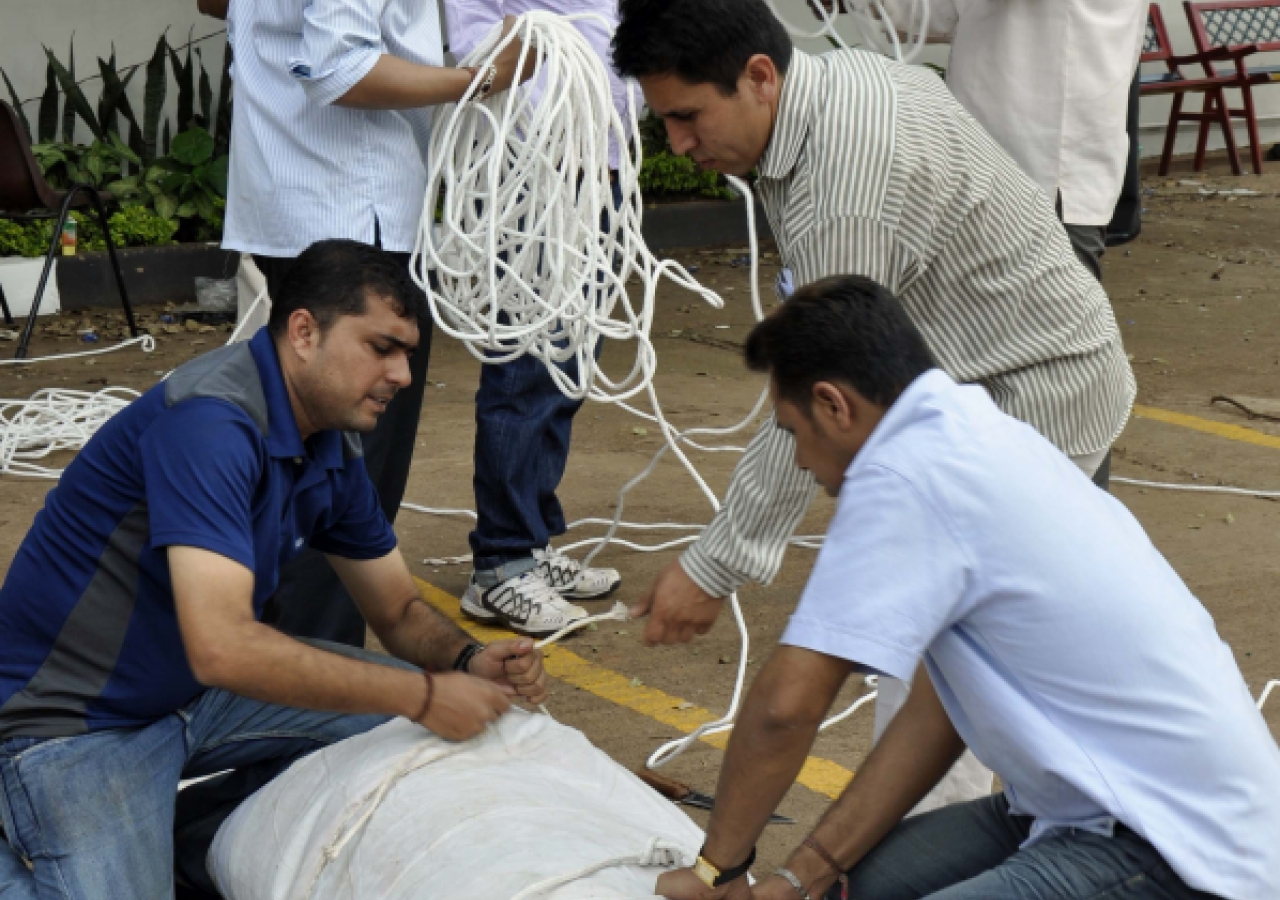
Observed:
{"x":4,"y":307}
{"x":30,"y":327}
{"x":115,"y":260}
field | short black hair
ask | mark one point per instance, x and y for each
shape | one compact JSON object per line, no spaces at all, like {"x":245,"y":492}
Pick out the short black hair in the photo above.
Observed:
{"x":848,"y":329}
{"x":334,"y":278}
{"x":699,"y":40}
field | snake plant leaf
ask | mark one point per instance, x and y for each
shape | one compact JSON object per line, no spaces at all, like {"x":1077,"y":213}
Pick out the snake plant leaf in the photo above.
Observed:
{"x":206,"y":96}
{"x":75,"y":97}
{"x":165,"y":139}
{"x":153,"y":98}
{"x":222,"y":118}
{"x":69,"y":111}
{"x":184,"y":74}
{"x":136,"y":144}
{"x":47,"y":119}
{"x":17,"y":106}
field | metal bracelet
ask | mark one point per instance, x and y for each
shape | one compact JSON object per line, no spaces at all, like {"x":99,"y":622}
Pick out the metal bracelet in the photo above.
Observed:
{"x":790,"y":878}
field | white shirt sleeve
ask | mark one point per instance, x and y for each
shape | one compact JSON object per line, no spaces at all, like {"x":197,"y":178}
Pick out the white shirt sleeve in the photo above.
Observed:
{"x":890,"y":577}
{"x":341,"y":43}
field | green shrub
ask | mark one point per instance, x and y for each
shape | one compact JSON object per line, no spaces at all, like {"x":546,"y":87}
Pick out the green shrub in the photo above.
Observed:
{"x":134,"y":226}
{"x":663,"y":174}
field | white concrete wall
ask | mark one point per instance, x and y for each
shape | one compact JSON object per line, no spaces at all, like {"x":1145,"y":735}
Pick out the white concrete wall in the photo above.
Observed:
{"x":132,"y":25}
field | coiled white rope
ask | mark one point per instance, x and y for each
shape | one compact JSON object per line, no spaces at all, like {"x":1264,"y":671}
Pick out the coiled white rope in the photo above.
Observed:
{"x":531,"y":256}
{"x":54,"y":419}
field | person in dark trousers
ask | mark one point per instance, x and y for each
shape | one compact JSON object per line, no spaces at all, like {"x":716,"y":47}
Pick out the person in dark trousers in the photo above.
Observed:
{"x":134,"y":653}
{"x":329,"y":140}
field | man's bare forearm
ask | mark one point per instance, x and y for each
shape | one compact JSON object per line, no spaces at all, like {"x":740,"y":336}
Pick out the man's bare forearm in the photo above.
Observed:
{"x":918,"y":748}
{"x":770,"y":743}
{"x":262,"y":664}
{"x":395,"y":83}
{"x":424,"y":637}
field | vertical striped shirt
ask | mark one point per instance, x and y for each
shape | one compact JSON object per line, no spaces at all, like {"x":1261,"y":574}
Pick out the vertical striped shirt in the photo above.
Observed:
{"x":874,"y":169}
{"x":302,"y":168}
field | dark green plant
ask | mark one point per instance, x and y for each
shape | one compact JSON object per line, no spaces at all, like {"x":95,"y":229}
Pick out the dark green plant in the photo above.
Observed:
{"x":68,"y":112}
{"x":47,"y":117}
{"x":98,"y":164}
{"x":154,"y":92}
{"x":17,"y":105}
{"x":184,"y":75}
{"x":222,"y":113}
{"x":76,"y":101}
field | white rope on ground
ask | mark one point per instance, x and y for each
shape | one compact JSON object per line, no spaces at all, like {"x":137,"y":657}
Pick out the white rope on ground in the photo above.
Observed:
{"x":147,"y":341}
{"x":1193,"y":488}
{"x":1266,"y":692}
{"x":53,"y":419}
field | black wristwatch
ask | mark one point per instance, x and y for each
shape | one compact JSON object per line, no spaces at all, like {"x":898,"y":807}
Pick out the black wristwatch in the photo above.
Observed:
{"x":712,"y":876}
{"x":464,"y":656}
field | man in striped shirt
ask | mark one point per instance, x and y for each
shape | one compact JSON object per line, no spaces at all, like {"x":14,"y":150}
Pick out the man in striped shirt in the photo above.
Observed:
{"x":870,"y":167}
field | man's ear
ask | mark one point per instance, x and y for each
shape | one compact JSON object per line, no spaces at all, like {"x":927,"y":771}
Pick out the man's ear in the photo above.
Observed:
{"x":303,"y":333}
{"x":831,"y":405}
{"x":762,"y":78}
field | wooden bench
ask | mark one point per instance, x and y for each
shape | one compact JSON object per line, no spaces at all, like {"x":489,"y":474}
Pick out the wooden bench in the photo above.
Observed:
{"x":1238,"y":25}
{"x":1156,"y":47}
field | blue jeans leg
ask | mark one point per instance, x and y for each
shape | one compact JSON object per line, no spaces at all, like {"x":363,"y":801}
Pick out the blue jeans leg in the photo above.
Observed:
{"x":93,"y":814}
{"x":523,"y":430}
{"x":969,"y":851}
{"x":256,"y":741}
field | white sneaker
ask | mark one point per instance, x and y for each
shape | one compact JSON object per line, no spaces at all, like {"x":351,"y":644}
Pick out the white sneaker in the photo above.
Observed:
{"x":572,"y":579}
{"x":525,"y":603}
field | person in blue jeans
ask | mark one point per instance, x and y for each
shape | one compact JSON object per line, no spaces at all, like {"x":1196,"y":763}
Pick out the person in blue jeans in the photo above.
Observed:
{"x":1040,"y":627}
{"x":133,"y":653}
{"x":523,"y":422}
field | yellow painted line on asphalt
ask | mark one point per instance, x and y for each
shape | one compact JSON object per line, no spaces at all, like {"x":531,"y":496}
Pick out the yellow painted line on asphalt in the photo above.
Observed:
{"x":819,"y":775}
{"x":1208,"y":426}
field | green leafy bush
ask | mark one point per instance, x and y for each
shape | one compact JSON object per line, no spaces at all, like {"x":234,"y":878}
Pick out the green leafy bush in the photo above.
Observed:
{"x":134,"y":226}
{"x":22,"y":240}
{"x":665,"y":174}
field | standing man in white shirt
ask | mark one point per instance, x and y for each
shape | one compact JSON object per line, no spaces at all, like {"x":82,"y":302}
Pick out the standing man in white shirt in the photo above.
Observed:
{"x":1043,"y":631}
{"x":329,"y":138}
{"x":1050,"y":82}
{"x":523,"y":422}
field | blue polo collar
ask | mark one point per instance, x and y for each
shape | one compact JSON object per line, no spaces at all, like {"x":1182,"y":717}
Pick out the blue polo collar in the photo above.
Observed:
{"x":284,"y":441}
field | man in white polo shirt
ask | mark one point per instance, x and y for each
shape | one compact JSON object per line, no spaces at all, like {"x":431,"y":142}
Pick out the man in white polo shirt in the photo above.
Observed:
{"x":1043,"y":631}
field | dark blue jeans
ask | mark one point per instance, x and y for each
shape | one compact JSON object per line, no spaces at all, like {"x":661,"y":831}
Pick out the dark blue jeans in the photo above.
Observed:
{"x":99,"y":817}
{"x":969,"y":851}
{"x":523,"y":428}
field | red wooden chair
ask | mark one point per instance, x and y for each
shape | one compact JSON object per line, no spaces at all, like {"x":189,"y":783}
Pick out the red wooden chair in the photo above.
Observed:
{"x":1157,"y":48}
{"x":1236,"y":25}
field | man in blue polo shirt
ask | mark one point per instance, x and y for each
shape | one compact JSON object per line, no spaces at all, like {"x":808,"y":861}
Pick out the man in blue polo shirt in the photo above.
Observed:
{"x":1043,"y":631}
{"x":132,"y":654}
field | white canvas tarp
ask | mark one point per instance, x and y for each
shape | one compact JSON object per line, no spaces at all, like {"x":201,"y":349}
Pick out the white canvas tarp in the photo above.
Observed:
{"x":527,"y":802}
